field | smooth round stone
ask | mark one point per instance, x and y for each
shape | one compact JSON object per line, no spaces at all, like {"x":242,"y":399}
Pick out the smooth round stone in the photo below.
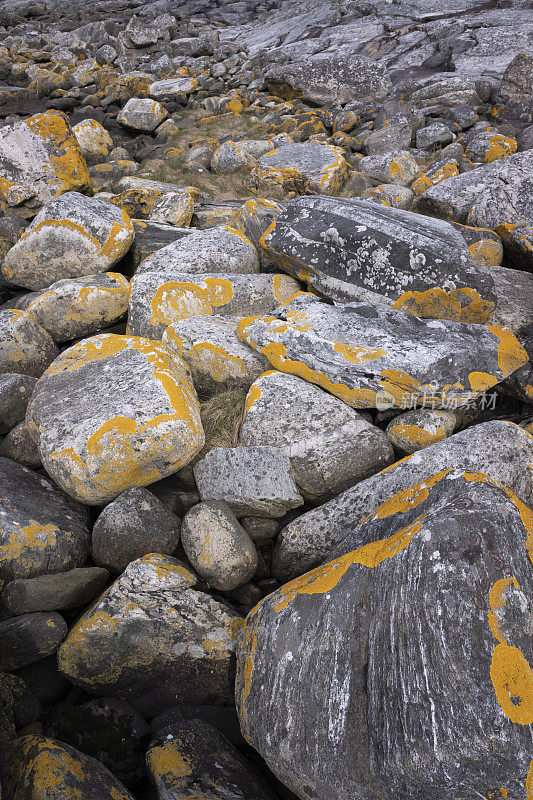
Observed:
{"x":30,"y":637}
{"x":420,"y":428}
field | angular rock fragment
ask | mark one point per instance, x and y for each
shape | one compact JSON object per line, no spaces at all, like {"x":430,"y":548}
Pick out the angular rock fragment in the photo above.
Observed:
{"x":330,"y":446}
{"x":132,"y":416}
{"x":25,"y":347}
{"x":42,"y":156}
{"x":217,"y":547}
{"x":142,"y":114}
{"x":41,"y":529}
{"x":77,"y":307}
{"x":398,"y":167}
{"x":436,"y":584}
{"x":93,"y":139}
{"x":158,"y":299}
{"x":501,"y":450}
{"x":38,"y":766}
{"x":192,"y":759}
{"x":350,"y":250}
{"x":365,"y":355}
{"x":131,"y":526}
{"x":253,"y":481}
{"x":70,"y":589}
{"x":179,"y":641}
{"x":515,"y":95}
{"x":70,"y":237}
{"x":218,"y":360}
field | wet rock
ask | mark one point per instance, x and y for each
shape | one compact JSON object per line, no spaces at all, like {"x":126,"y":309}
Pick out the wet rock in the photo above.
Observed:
{"x":420,"y":428}
{"x":320,"y":648}
{"x":217,"y":547}
{"x":253,"y":481}
{"x":330,"y":81}
{"x":77,"y":307}
{"x":41,"y":530}
{"x":158,"y":299}
{"x":330,"y":446}
{"x":364,"y":356}
{"x":134,"y":524}
{"x":70,"y":237}
{"x":25,"y":347}
{"x":501,"y":450}
{"x":307,"y":168}
{"x":109,"y":730}
{"x":220,"y":249}
{"x":191,"y":758}
{"x":350,"y":250}
{"x":218,"y":360}
{"x":41,"y":157}
{"x":38,"y":765}
{"x":132,"y":416}
{"x":62,"y":590}
{"x":15,"y":393}
{"x":30,"y":637}
{"x":180,"y":642}
{"x":93,"y":139}
{"x":142,"y":114}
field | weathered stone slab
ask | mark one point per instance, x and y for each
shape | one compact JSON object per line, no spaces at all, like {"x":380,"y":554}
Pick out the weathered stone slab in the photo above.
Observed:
{"x":307,"y":168}
{"x":369,"y":356}
{"x":353,"y":250}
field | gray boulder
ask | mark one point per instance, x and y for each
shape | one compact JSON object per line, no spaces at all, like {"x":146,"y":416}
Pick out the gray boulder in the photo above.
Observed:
{"x":179,"y":641}
{"x":501,"y":450}
{"x":253,"y":481}
{"x":351,"y":250}
{"x":70,"y":589}
{"x":365,"y":355}
{"x":29,"y":637}
{"x":515,"y":94}
{"x":25,"y":347}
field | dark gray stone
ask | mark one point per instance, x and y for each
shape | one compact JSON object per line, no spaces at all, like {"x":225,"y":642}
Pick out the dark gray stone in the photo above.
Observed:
{"x":30,"y":637}
{"x":71,"y":589}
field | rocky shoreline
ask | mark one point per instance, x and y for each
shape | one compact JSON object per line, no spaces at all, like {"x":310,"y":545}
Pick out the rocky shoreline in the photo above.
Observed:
{"x":266,"y":400}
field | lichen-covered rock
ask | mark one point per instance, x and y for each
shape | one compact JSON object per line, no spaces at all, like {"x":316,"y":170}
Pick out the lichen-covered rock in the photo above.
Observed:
{"x":220,"y":249}
{"x":151,"y":236}
{"x":191,"y":759}
{"x":93,"y":139}
{"x":41,"y":529}
{"x":70,"y":589}
{"x":230,"y":157}
{"x":170,"y":87}
{"x":330,"y":446}
{"x":132,"y":525}
{"x":29,"y":637}
{"x":331,"y":80}
{"x":515,"y":98}
{"x":218,"y":360}
{"x":420,"y":428}
{"x":518,"y":244}
{"x":501,"y":450}
{"x":217,"y":547}
{"x":486,"y":197}
{"x":307,"y":168}
{"x":15,"y":393}
{"x":253,"y":481}
{"x":37,"y":767}
{"x":158,"y":299}
{"x":350,"y":250}
{"x":77,"y":307}
{"x":253,"y":218}
{"x":489,"y":146}
{"x":435,"y":585}
{"x":154,"y":640}
{"x":484,"y":245}
{"x":41,"y":154}
{"x":514,"y":290}
{"x":175,"y":208}
{"x":435,"y":173}
{"x":70,"y":237}
{"x":142,"y":114}
{"x":25,"y":347}
{"x":365,"y":355}
{"x":398,"y":167}
{"x":132,"y":416}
